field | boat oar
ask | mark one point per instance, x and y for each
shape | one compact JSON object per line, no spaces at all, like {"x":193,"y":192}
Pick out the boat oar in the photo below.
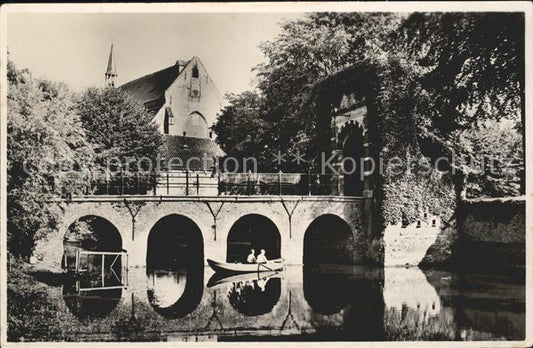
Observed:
{"x":281,"y":259}
{"x":262,"y":264}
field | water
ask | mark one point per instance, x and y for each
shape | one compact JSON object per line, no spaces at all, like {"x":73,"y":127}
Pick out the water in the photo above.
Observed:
{"x":323,"y":303}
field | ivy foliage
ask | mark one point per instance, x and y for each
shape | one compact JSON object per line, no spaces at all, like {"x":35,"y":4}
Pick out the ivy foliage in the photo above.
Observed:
{"x":434,"y":79}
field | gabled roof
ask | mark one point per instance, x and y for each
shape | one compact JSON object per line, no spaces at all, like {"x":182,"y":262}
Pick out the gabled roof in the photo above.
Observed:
{"x":150,"y":89}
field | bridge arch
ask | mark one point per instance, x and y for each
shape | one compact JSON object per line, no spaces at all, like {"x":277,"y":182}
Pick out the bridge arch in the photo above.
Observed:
{"x":91,"y":233}
{"x":106,"y":236}
{"x":171,"y":233}
{"x":253,"y":231}
{"x":88,"y":232}
{"x":329,"y":239}
{"x":174,"y":266}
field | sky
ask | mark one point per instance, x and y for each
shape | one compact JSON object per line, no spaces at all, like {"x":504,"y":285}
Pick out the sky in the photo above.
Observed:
{"x":74,"y":47}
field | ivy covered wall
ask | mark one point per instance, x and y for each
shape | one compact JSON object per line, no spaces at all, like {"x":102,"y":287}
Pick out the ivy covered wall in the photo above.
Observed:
{"x":406,"y":182}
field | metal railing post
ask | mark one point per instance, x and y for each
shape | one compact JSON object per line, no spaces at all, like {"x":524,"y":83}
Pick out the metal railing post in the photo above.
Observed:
{"x":279,"y":182}
{"x":154,"y":181}
{"x":186,"y":182}
{"x":168,"y":184}
{"x":103,"y":270}
{"x":309,"y":183}
{"x":121,"y":182}
{"x":218,"y":185}
{"x":197,"y":184}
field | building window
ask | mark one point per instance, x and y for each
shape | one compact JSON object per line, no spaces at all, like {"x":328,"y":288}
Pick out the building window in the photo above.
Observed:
{"x":195,"y":72}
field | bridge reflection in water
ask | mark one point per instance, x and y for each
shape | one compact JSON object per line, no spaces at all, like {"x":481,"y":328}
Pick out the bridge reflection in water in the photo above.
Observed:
{"x":319,"y":303}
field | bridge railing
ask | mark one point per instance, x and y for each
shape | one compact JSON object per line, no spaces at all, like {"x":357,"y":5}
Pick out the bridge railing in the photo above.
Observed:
{"x":200,"y":183}
{"x":281,"y":184}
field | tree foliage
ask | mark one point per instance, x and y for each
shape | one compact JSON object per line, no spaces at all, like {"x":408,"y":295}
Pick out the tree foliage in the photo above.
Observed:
{"x":472,"y":64}
{"x":43,"y":133}
{"x":55,"y":140}
{"x":470,"y":68}
{"x":120,"y":129}
{"x":439,"y":77}
{"x":243,"y":131}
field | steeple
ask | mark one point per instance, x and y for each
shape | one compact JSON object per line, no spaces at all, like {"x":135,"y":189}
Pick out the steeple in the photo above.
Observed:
{"x":111,"y":72}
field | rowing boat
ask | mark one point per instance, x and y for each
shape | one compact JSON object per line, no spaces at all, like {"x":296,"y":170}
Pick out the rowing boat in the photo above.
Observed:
{"x":224,"y":267}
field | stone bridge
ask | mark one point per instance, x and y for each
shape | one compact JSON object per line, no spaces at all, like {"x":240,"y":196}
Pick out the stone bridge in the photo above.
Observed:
{"x":135,"y":216}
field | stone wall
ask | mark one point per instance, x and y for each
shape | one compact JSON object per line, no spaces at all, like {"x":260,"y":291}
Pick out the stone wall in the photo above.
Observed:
{"x":292,"y":215}
{"x":492,"y":233}
{"x":408,"y":245}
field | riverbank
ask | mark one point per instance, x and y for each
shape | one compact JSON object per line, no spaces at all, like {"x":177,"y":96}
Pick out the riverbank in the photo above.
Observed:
{"x":31,"y":314}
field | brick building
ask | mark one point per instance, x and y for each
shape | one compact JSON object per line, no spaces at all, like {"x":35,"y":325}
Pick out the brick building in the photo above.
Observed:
{"x":184,"y":101}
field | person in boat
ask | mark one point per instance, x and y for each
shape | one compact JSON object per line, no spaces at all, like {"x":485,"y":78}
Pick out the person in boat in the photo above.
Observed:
{"x":251,"y":258}
{"x":261,"y":258}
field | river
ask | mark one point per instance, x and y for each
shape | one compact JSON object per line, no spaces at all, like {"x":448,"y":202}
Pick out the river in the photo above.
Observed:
{"x":347,"y":303}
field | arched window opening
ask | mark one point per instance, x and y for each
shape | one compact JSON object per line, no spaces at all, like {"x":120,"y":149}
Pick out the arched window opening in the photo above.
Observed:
{"x":196,"y":125}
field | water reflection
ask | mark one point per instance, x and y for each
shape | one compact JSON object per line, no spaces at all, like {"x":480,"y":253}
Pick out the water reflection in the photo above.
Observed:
{"x":96,"y":291}
{"x":175,"y":269}
{"x":90,"y":304}
{"x":350,"y":303}
{"x":255,"y":296}
{"x":414,"y":308}
{"x":408,"y":289}
{"x":175,"y":293}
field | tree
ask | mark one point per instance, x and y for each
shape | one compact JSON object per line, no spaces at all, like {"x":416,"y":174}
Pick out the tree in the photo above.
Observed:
{"x":442,"y":77}
{"x":120,"y":129}
{"x":242,"y":129}
{"x":45,"y":142}
{"x":471,"y":66}
{"x":306,"y":51}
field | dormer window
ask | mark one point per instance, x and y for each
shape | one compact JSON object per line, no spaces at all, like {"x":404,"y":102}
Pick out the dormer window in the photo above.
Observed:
{"x":195,"y":72}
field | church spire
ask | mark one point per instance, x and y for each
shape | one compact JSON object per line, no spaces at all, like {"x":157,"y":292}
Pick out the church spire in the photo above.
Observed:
{"x":111,"y":72}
